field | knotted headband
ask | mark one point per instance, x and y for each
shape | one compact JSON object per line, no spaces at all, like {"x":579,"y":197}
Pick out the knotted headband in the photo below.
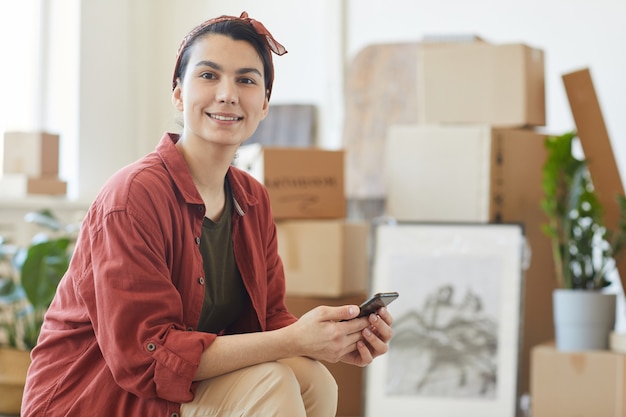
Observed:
{"x":271,"y":43}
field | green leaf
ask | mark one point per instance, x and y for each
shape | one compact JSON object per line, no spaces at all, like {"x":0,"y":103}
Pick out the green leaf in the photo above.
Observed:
{"x":43,"y":268}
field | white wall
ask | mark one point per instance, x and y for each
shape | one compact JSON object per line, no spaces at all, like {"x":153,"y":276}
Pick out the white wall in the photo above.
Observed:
{"x":128,"y":50}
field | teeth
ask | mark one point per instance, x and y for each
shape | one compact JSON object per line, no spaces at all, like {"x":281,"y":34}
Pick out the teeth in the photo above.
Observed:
{"x":224,"y":118}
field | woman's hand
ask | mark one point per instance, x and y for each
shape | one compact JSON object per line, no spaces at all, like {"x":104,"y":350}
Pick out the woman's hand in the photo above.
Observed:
{"x":329,"y":333}
{"x":375,"y":339}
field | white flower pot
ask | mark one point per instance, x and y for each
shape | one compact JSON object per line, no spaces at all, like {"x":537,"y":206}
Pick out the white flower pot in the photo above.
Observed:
{"x":583,"y":320}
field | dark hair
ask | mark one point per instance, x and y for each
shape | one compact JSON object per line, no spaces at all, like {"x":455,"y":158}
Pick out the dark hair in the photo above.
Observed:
{"x":237,"y":30}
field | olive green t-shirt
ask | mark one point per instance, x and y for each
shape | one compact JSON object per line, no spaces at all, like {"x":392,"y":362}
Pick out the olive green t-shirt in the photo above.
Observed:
{"x":224,"y":292}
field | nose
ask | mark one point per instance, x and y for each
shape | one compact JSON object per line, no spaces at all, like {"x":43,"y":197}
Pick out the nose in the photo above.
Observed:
{"x":226,"y":91}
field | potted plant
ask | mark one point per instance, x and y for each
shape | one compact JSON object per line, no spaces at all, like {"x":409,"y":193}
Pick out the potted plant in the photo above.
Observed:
{"x":28,"y":280}
{"x":583,"y":249}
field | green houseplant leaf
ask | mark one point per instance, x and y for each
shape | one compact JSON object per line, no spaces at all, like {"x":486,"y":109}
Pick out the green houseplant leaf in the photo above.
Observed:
{"x":43,"y":267}
{"x":30,"y":277}
{"x":583,"y":249}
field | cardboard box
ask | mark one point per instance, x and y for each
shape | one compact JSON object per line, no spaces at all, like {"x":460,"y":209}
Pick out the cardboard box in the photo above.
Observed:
{"x":477,"y":82}
{"x":430,"y":171}
{"x":581,"y":384}
{"x":21,"y":185}
{"x":303,"y":183}
{"x":35,"y":154}
{"x":324,"y":258}
{"x":350,"y":379}
{"x":596,"y":145}
{"x":462,"y":173}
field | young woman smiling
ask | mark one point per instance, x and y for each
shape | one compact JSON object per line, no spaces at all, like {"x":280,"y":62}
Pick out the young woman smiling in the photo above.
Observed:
{"x":173,"y":304}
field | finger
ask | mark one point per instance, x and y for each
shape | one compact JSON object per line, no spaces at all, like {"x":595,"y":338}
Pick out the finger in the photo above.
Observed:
{"x":385,"y":315}
{"x":364,"y":351}
{"x":380,"y":327}
{"x":354,"y":325}
{"x":378,"y":345}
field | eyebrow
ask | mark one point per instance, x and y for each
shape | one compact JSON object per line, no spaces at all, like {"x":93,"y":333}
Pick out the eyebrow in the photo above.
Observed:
{"x":218,"y":67}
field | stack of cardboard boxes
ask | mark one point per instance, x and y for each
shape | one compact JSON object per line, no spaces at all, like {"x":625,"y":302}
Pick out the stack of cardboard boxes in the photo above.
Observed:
{"x":325,"y":255}
{"x":30,"y":165}
{"x":476,"y":155}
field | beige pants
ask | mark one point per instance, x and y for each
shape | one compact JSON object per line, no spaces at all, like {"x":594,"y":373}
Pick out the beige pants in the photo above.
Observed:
{"x":295,"y":387}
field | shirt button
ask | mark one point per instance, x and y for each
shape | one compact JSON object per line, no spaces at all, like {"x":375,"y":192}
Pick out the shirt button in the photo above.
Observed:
{"x":201,"y":281}
{"x":151,"y":347}
{"x":175,"y":415}
{"x":200,"y":208}
{"x":190,"y":329}
{"x":197,"y":241}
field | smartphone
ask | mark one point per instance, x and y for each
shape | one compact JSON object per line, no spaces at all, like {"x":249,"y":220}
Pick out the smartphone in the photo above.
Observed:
{"x":375,"y":302}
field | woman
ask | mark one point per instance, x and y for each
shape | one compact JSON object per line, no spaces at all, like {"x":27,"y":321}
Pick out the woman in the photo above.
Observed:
{"x":173,"y":304}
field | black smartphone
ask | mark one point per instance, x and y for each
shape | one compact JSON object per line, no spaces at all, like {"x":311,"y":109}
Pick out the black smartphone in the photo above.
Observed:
{"x":375,"y":302}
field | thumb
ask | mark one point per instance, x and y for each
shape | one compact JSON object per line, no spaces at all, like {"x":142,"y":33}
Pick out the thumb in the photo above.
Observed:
{"x":346,"y":312}
{"x":350,"y":312}
{"x":340,"y":313}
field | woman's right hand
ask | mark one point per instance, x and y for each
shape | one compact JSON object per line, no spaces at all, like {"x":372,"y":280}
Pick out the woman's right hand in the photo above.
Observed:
{"x":328,"y":333}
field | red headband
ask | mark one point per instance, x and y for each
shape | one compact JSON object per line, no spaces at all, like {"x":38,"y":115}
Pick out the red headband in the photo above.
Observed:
{"x":271,"y":43}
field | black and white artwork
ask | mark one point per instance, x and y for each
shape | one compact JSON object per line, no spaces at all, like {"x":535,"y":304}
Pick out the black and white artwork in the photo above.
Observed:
{"x":456,"y":323}
{"x":446,"y":338}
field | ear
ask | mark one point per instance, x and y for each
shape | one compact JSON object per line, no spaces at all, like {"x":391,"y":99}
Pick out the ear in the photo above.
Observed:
{"x":177,"y":97}
{"x":266,"y":107}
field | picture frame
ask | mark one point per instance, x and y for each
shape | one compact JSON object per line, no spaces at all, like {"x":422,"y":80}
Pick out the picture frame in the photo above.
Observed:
{"x":456,"y":342}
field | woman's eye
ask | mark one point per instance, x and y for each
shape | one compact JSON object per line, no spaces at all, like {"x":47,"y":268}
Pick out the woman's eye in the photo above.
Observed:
{"x":246,"y":80}
{"x":208,"y":75}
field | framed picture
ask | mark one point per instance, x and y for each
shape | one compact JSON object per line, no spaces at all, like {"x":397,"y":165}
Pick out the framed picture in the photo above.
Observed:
{"x":455,"y":348}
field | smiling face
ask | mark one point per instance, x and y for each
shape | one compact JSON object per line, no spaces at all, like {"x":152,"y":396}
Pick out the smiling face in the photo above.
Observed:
{"x":222,"y":94}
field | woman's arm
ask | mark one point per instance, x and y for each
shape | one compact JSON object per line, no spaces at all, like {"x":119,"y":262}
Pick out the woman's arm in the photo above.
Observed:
{"x":320,"y":334}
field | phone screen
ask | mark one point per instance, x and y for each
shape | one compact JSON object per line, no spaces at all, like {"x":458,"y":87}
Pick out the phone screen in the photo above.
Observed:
{"x":377,"y":301}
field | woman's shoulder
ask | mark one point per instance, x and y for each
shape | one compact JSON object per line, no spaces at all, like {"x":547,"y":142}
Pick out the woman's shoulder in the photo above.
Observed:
{"x":140,"y":181}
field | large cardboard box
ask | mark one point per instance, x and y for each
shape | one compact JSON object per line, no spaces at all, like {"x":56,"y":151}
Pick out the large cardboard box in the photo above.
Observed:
{"x":303,"y":183}
{"x":350,"y":379}
{"x":22,"y":185}
{"x":35,"y":154}
{"x":478,"y":82}
{"x":581,"y":384}
{"x":324,"y":258}
{"x":596,"y":145}
{"x":476,"y":173}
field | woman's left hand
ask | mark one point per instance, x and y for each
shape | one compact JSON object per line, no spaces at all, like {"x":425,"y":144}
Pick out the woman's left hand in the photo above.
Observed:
{"x":375,"y":340}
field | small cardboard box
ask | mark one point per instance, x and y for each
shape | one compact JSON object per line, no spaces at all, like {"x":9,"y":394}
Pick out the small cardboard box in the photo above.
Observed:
{"x":303,"y":183}
{"x":478,"y":82}
{"x":350,"y":379}
{"x":581,"y":384}
{"x":21,"y":185}
{"x":35,"y":154}
{"x":324,"y":258}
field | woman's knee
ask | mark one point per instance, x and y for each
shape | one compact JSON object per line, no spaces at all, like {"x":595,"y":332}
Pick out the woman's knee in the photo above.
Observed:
{"x":266,"y":389}
{"x":276,"y":375}
{"x":317,"y":385}
{"x":318,"y":378}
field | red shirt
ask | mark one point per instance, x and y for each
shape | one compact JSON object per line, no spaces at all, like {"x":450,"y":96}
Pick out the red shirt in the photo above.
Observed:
{"x":119,"y":339}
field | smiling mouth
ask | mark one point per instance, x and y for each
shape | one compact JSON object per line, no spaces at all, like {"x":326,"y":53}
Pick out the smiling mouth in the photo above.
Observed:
{"x":224,"y":118}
